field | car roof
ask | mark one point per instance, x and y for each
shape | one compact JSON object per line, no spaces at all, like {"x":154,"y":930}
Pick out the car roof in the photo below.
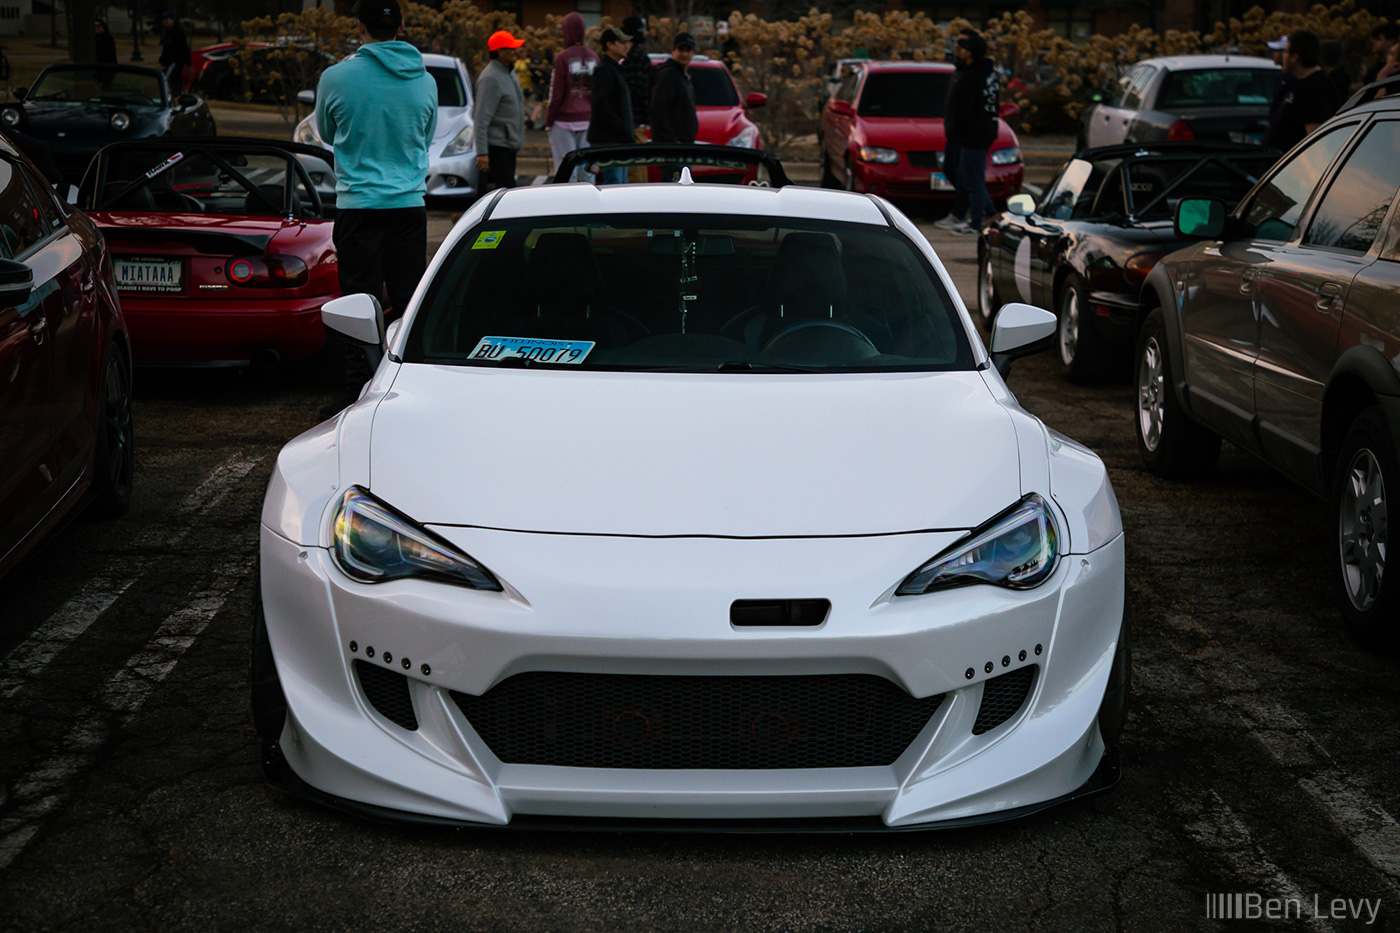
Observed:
{"x":658,"y":57}
{"x":909,"y":66}
{"x":1187,"y":62}
{"x":792,"y":201}
{"x":436,"y":60}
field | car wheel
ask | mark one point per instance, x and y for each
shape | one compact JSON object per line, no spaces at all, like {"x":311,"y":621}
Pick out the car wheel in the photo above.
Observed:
{"x":988,"y":304}
{"x":115,"y":458}
{"x":850,"y":179}
{"x":1368,"y":468}
{"x":1077,"y":339}
{"x":1113,"y":711}
{"x":269,"y":703}
{"x":1169,"y":442}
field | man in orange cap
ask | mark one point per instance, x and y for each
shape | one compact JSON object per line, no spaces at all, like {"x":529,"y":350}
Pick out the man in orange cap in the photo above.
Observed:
{"x":500,"y":111}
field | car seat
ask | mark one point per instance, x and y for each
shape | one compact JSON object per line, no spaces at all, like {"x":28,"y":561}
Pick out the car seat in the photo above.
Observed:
{"x":564,"y":291}
{"x":807,"y":283}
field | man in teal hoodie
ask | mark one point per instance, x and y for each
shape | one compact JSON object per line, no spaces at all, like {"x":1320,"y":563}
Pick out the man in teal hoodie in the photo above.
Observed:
{"x":378,"y":110}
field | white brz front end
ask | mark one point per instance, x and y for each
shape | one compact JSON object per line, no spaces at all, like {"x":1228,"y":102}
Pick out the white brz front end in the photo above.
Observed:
{"x":690,"y":503}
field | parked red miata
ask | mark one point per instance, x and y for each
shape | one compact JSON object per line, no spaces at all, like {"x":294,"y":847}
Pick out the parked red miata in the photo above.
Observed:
{"x":221,"y":247}
{"x":882,"y":132}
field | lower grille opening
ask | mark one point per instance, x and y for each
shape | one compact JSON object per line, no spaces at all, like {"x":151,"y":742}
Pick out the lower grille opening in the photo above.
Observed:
{"x":674,"y":722}
{"x":387,"y":692}
{"x":1002,"y":698}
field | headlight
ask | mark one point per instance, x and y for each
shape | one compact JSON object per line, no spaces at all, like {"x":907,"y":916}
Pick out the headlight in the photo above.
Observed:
{"x":373,"y":543}
{"x":10,"y":116}
{"x":462,"y":143}
{"x":747,"y":138}
{"x":1006,"y":156}
{"x":120,"y":120}
{"x":878,"y":154}
{"x":306,"y":134}
{"x":1016,"y":549}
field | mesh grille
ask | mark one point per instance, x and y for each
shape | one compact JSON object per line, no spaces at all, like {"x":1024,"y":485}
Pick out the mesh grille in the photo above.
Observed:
{"x":1002,"y":697}
{"x":663,"y":722}
{"x":926,"y":159}
{"x":387,"y":692}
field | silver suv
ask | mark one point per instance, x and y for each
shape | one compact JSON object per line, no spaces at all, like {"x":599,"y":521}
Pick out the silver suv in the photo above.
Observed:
{"x":1280,"y":332}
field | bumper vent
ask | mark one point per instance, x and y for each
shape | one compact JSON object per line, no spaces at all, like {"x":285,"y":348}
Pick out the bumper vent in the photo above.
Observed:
{"x":387,"y":692}
{"x":1002,"y":698}
{"x":665,"y":722}
{"x":926,"y":159}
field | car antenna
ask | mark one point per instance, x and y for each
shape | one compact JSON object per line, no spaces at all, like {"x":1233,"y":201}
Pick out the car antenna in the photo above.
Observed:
{"x":685,"y":178}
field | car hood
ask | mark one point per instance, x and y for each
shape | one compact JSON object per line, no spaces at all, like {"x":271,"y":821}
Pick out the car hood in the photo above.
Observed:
{"x":921,"y":134}
{"x":450,"y":121}
{"x":750,"y":455}
{"x":85,"y":120}
{"x":718,"y":125}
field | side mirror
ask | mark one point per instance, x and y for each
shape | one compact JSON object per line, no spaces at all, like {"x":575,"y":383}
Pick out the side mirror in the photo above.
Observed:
{"x":1020,"y":330}
{"x":186,"y":101}
{"x":71,"y":197}
{"x":1009,"y":110}
{"x":20,"y":92}
{"x":306,"y":97}
{"x":842,"y":108}
{"x":356,"y":317}
{"x":1021,"y":205}
{"x":1200,"y":218}
{"x":756,"y":100}
{"x":16,"y":283}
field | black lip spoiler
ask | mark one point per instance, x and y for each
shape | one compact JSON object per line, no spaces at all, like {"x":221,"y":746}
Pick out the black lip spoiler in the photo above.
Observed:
{"x":206,"y":241}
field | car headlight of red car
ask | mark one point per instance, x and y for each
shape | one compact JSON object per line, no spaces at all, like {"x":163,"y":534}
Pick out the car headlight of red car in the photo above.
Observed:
{"x":878,"y":154}
{"x":1011,"y":156}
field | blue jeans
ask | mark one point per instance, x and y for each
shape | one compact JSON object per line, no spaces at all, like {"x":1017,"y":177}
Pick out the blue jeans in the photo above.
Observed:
{"x":613,"y":175}
{"x":970,"y":185}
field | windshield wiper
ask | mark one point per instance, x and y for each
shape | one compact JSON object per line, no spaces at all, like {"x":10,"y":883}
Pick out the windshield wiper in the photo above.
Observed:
{"x":752,"y":366}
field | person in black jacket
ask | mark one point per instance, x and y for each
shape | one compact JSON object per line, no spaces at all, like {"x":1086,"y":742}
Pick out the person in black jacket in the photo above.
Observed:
{"x":672,"y":109}
{"x":104,"y":49}
{"x":174,"y":53}
{"x":610,"y":122}
{"x":970,"y":126}
{"x":637,"y":68}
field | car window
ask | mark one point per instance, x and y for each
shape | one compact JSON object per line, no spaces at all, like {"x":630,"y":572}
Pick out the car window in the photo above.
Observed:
{"x":1120,"y":93}
{"x":449,"y":87}
{"x":1060,"y":200}
{"x":847,"y":91}
{"x":713,"y":87}
{"x":690,"y":292}
{"x":1218,"y":87}
{"x":1274,"y":210}
{"x":906,"y":94}
{"x":86,"y":85}
{"x":1132,"y":99}
{"x":1355,"y":205}
{"x":21,"y":223}
{"x":42,"y":193}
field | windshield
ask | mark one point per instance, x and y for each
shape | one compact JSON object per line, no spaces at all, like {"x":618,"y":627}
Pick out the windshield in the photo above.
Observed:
{"x":688,"y":293}
{"x":713,"y":87}
{"x":1218,"y":87}
{"x":913,"y":94}
{"x":98,"y":85}
{"x":449,"y":87}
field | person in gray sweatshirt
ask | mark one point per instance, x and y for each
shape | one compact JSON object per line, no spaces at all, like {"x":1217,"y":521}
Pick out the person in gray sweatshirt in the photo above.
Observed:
{"x":500,"y":111}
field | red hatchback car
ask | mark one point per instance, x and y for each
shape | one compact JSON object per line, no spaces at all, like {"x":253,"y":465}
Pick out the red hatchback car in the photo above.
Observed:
{"x":65,"y":397}
{"x":882,"y":132}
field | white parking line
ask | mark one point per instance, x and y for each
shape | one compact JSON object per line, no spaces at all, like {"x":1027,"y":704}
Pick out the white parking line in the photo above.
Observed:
{"x":41,"y":790}
{"x":30,"y":657}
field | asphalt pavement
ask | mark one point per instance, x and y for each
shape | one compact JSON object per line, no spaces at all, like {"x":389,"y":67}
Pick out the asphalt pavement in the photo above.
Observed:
{"x":1258,"y":760}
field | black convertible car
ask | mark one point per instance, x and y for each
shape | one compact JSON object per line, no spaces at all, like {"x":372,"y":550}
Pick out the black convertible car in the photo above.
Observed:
{"x":1100,"y":227}
{"x":77,"y":109}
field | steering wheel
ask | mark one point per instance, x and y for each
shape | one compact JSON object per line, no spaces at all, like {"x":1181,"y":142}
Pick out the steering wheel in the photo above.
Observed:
{"x":818,"y":322}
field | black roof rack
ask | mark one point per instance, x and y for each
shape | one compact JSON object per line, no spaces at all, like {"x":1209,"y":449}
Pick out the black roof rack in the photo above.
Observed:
{"x":1372,"y":91}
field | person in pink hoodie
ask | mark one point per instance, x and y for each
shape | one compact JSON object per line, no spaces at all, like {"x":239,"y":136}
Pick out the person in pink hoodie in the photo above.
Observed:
{"x":570,"y":93}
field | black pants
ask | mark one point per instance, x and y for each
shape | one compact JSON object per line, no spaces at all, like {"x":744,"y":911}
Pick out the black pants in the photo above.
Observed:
{"x":501,"y":172}
{"x":381,"y":253}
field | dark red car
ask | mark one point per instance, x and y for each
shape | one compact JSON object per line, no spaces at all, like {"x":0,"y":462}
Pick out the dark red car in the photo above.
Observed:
{"x":723,"y":116}
{"x":882,"y":132}
{"x":65,"y":398}
{"x":221,"y":247}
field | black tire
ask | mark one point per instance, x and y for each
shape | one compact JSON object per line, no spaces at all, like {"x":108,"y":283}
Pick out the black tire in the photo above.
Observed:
{"x":988,"y":302}
{"x":1175,"y":446}
{"x":1367,"y":470}
{"x":268,"y":702}
{"x":114,"y":461}
{"x":1079,"y":346}
{"x":1113,"y":711}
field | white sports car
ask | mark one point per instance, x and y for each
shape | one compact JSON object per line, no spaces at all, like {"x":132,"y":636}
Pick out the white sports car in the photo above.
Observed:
{"x":689,"y":502}
{"x":452,"y":171}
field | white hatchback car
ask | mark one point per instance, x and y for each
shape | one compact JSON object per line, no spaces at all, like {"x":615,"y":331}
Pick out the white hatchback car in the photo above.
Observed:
{"x":452,"y":171}
{"x":689,"y":502}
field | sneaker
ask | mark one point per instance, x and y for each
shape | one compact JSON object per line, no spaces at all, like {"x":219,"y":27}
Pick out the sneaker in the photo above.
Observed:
{"x":962,"y":229}
{"x":951,"y":222}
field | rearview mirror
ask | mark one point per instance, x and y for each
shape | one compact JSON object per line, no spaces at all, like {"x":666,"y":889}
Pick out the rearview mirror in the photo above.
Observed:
{"x":1021,"y":205}
{"x":756,"y":100}
{"x":1200,"y":218}
{"x":356,"y":317}
{"x":16,"y":283}
{"x":306,"y":97}
{"x":1020,"y":330}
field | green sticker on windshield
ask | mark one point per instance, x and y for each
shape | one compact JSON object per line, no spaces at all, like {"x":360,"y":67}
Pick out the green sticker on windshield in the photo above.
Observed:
{"x":488,"y":239}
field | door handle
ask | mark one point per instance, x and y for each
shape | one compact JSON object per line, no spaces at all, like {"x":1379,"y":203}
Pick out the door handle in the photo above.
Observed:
{"x":37,"y":331}
{"x":1247,"y":277}
{"x":1329,"y":297}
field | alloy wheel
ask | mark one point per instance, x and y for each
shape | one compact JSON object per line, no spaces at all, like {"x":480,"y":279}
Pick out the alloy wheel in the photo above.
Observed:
{"x":1069,"y":327}
{"x":1151,"y":398}
{"x":116,"y":413}
{"x":984,"y":290}
{"x":1362,"y":527}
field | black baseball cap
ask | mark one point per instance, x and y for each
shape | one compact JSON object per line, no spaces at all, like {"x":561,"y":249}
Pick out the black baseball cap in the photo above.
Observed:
{"x":974,"y":44}
{"x":611,"y":35}
{"x":379,"y":14}
{"x":683,"y":40}
{"x":632,"y":25}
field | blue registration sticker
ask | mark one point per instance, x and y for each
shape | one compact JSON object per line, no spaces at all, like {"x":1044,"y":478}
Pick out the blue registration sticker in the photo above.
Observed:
{"x":541,"y":351}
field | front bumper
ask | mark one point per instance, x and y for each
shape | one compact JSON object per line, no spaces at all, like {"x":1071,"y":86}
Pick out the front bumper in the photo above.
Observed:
{"x":588,"y":616}
{"x":191,"y":331}
{"x":907,"y":181}
{"x":453,"y":176}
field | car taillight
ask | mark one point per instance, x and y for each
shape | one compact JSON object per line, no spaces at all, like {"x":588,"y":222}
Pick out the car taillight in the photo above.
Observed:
{"x":1180,"y":131}
{"x":267,"y":272}
{"x":1136,"y":269}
